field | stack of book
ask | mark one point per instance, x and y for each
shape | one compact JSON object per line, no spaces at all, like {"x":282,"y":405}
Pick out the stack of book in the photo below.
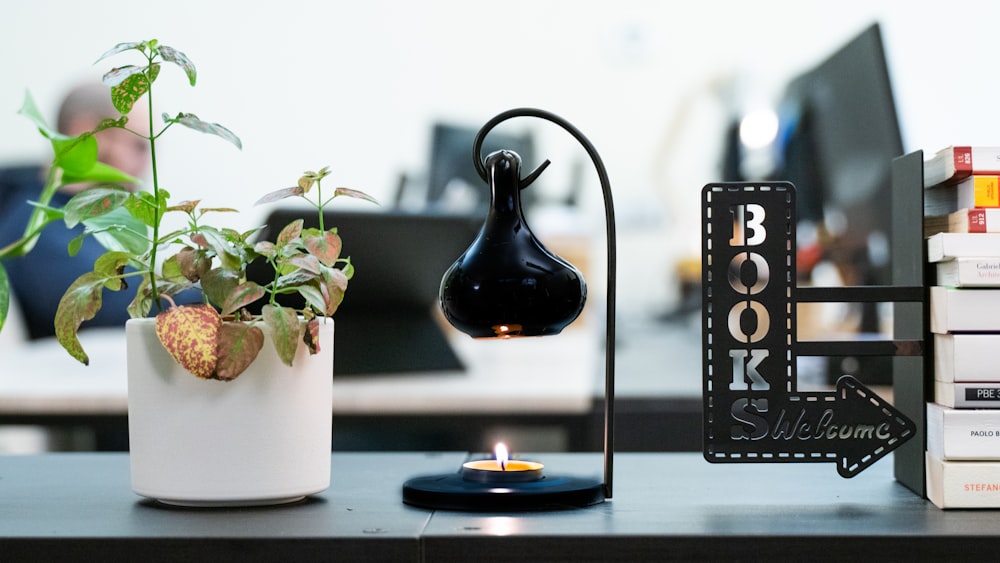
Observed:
{"x":963,"y":419}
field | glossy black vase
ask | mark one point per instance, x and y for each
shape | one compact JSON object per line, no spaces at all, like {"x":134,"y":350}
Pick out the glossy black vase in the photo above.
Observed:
{"x":506,"y":283}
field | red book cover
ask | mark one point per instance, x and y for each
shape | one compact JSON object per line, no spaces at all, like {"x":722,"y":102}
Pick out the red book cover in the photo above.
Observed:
{"x":977,"y":220}
{"x":962,"y":158}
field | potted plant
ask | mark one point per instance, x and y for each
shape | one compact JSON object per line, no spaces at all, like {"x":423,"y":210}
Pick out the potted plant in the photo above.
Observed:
{"x":199,"y":431}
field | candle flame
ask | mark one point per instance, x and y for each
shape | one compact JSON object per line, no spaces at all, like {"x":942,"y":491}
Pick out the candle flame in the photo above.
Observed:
{"x":502,"y":456}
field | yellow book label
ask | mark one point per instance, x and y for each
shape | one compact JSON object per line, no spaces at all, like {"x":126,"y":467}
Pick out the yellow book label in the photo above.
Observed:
{"x":985,"y":191}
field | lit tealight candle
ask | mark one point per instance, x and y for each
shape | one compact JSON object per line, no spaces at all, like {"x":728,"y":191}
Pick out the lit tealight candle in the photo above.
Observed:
{"x":502,"y":469}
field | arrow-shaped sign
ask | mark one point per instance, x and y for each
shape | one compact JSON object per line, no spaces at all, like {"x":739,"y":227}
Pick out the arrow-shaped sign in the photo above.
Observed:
{"x":850,"y":426}
{"x":754,"y":411}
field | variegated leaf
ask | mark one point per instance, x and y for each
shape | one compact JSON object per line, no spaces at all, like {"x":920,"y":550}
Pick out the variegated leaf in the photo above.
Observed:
{"x":325,"y":247}
{"x":239,"y":344}
{"x":180,"y":59}
{"x":192,"y":121}
{"x":311,"y":336}
{"x":279,"y":195}
{"x":244,"y":294}
{"x":80,"y":303}
{"x":283,"y":322}
{"x":190,"y":333}
{"x":119,"y":48}
{"x":289,"y":233}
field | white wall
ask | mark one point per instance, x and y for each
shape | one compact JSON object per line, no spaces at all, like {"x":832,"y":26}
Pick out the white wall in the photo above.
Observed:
{"x":357,"y":84}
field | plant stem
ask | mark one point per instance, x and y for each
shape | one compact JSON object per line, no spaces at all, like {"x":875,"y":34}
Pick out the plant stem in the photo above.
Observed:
{"x":154,"y":292}
{"x":319,"y":206}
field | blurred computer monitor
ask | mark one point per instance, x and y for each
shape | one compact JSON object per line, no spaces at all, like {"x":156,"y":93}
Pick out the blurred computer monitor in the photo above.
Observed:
{"x":452,"y":175}
{"x":839,"y":135}
{"x":386,"y":322}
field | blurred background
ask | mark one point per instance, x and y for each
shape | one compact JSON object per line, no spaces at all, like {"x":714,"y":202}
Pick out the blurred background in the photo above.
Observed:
{"x":360,"y":85}
{"x":673,"y":96}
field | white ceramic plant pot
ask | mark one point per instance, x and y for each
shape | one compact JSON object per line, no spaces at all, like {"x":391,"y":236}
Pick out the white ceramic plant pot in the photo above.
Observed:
{"x":264,"y":438}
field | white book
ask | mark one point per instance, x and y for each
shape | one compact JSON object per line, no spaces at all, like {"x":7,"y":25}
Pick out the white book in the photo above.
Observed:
{"x":967,"y":357}
{"x":948,"y":246}
{"x":964,"y":310}
{"x":966,"y":395}
{"x":953,"y":163}
{"x":963,"y":434}
{"x":963,"y":484}
{"x":969,"y":272}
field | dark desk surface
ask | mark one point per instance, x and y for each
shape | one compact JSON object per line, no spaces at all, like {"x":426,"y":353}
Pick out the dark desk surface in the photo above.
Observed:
{"x":666,"y":506}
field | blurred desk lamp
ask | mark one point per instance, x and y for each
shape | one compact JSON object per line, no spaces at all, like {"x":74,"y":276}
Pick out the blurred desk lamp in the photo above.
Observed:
{"x":507,"y":284}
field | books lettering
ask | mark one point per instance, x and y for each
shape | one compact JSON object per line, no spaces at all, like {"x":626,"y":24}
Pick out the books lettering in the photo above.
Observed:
{"x":969,"y":272}
{"x":963,"y":484}
{"x":966,"y":357}
{"x":967,"y":395}
{"x":964,"y":310}
{"x":963,"y":434}
{"x":954,"y":163}
{"x":947,"y":246}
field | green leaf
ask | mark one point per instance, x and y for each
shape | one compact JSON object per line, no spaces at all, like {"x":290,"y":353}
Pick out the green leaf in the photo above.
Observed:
{"x":180,"y":59}
{"x":4,"y":296}
{"x":283,"y":323}
{"x":171,"y":269}
{"x":75,"y":244}
{"x":75,"y":155}
{"x":314,"y":297}
{"x":224,"y":248}
{"x":239,"y":344}
{"x":192,"y":121}
{"x":30,"y":110}
{"x":119,"y":230}
{"x":143,"y":301}
{"x":347,"y":268}
{"x":120,"y":48}
{"x":111,"y":265}
{"x":80,"y":303}
{"x":144,"y":207}
{"x":218,"y":283}
{"x":99,"y":173}
{"x":94,"y":202}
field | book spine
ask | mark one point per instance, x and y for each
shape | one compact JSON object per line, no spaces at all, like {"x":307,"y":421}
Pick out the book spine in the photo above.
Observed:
{"x":978,"y":191}
{"x":966,"y":357}
{"x":963,"y":484}
{"x":957,"y":434}
{"x":975,"y":220}
{"x":964,"y":310}
{"x":952,"y":164}
{"x":969,"y":272}
{"x":961,"y":159}
{"x":948,"y":246}
{"x":965,"y":395}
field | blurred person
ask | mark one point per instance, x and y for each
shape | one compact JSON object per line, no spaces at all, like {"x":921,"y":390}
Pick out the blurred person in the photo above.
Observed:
{"x":39,"y":279}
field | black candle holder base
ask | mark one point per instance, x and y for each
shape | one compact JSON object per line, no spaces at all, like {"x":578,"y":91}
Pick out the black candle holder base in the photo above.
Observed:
{"x":452,"y":492}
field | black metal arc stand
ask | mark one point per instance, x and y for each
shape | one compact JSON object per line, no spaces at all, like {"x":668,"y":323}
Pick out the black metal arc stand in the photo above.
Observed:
{"x":451,"y":491}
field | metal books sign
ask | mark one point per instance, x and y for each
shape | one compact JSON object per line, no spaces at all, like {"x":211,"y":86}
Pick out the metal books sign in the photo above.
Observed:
{"x":754,"y":411}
